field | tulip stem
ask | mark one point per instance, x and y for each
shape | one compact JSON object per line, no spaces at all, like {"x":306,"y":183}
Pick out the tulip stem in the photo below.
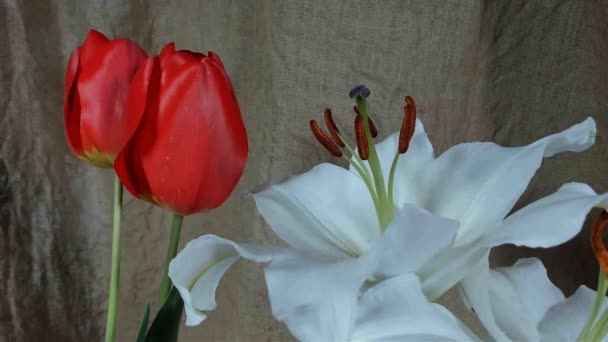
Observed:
{"x":176,"y":228}
{"x":115,"y":275}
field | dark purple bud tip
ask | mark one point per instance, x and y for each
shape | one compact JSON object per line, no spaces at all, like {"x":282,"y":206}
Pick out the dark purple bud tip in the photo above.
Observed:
{"x":359,"y":90}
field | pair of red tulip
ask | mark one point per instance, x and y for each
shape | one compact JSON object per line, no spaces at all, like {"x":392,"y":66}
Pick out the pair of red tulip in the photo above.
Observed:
{"x":169,"y":124}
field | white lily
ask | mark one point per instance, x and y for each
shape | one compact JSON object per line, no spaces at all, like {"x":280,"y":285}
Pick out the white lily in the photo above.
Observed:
{"x":528,"y":307}
{"x":344,"y":226}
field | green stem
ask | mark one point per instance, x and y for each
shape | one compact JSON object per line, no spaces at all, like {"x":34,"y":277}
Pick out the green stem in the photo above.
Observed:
{"x":374,"y":162}
{"x":176,"y":228}
{"x":592,"y":330}
{"x":115,"y":275}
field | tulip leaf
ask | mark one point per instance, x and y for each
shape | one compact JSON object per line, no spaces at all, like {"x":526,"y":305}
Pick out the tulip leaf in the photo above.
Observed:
{"x":165,"y":327}
{"x":143,"y":326}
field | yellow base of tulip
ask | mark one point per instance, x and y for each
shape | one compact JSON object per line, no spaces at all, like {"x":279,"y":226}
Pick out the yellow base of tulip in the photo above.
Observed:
{"x":97,"y":158}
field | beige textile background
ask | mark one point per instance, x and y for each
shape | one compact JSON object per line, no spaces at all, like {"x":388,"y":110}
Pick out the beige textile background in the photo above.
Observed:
{"x":508,"y":71}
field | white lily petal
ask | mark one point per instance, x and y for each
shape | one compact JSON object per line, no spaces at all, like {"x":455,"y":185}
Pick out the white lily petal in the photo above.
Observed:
{"x":413,"y":238}
{"x":448,"y":316}
{"x":475,"y":287}
{"x":528,"y":280}
{"x":449,"y":267}
{"x":324,"y":322}
{"x":564,"y":322}
{"x":549,"y":221}
{"x":327,"y":211}
{"x":298,"y":281}
{"x":203,"y":290}
{"x":316,"y":298}
{"x":520,"y":295}
{"x":197,"y":270}
{"x":479,"y":183}
{"x":328,"y":320}
{"x":396,"y":309}
{"x":419,"y":242}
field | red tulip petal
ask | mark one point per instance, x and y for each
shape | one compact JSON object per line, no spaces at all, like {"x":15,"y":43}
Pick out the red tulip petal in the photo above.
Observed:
{"x":215,"y":59}
{"x":197,"y":55}
{"x":172,"y":65}
{"x":71,"y":70}
{"x":94,"y":44}
{"x":167,"y":50}
{"x":128,"y":167}
{"x":96,"y":36}
{"x":166,"y":53}
{"x":71,"y":105}
{"x":103,"y":85}
{"x":143,"y":99}
{"x":177,"y":60}
{"x":201,"y":145}
{"x":229,"y":134}
{"x":139,"y":90}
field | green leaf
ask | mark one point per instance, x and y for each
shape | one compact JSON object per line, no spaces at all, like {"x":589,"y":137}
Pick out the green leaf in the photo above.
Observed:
{"x":165,"y":326}
{"x":143,"y":326}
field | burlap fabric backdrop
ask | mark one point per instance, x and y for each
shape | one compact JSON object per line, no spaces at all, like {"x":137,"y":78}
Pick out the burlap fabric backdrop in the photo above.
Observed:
{"x":510,"y":72}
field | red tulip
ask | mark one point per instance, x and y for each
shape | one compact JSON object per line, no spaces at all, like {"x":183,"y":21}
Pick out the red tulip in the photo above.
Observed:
{"x":191,"y":146}
{"x":99,"y":72}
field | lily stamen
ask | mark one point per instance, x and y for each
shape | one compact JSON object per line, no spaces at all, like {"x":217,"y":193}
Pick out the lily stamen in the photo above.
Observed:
{"x":324,"y":139}
{"x":408,"y":125}
{"x":362,"y":144}
{"x":372,"y":126}
{"x":333,"y":128}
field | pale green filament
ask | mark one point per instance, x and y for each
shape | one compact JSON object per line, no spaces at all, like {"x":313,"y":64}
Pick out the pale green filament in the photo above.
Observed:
{"x":363,"y":171}
{"x":596,"y":331}
{"x":368,"y":183}
{"x":359,"y":161}
{"x":391,"y":179}
{"x":603,"y":332}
